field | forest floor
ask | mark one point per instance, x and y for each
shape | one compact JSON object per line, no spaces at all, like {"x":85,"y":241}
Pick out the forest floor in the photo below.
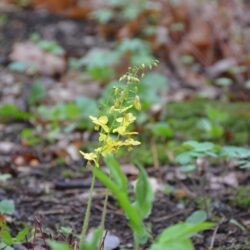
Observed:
{"x":49,"y":184}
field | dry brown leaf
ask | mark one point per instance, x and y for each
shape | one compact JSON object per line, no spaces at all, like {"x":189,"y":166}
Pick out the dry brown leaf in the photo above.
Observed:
{"x":43,"y":62}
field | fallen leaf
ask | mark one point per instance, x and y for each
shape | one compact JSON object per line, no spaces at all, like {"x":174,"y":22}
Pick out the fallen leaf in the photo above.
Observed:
{"x":37,"y":59}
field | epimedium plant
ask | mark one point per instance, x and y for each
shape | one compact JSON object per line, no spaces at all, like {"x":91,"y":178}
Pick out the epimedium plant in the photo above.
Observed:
{"x":114,"y":125}
{"x":117,"y":117}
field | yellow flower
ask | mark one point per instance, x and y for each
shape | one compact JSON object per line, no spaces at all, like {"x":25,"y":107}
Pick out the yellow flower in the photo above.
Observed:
{"x":90,"y":157}
{"x":126,"y":120}
{"x":131,"y":142}
{"x":102,"y":137}
{"x":120,"y":110}
{"x":121,"y":130}
{"x":137,"y":103}
{"x":100,"y":122}
{"x":109,"y":147}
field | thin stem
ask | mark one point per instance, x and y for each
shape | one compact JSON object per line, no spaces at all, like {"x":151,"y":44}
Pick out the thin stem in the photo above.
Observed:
{"x":104,"y":211}
{"x":155,"y":153}
{"x":87,"y":213}
{"x":136,"y":245}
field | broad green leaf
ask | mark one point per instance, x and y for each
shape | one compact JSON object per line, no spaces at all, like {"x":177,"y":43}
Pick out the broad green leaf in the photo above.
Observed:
{"x":183,"y":231}
{"x":37,"y":93}
{"x":4,"y":177}
{"x":199,"y":146}
{"x":116,"y":173}
{"x":144,"y":195}
{"x":235,"y":152}
{"x":197,"y":217}
{"x":133,"y":45}
{"x":245,"y":164}
{"x":5,"y":247}
{"x":6,"y":238}
{"x":185,"y":158}
{"x":224,"y":82}
{"x":7,"y":207}
{"x":54,"y":245}
{"x":93,"y":242}
{"x":65,"y":230}
{"x":30,"y":137}
{"x":18,"y":66}
{"x":183,"y":244}
{"x":135,"y":221}
{"x":87,"y":106}
{"x":98,"y":58}
{"x":162,"y":129}
{"x":103,"y":15}
{"x":188,"y":168}
{"x":20,"y":238}
{"x":11,"y":112}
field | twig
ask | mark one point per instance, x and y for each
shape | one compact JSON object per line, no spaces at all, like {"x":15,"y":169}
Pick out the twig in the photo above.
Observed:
{"x":214,"y":234}
{"x":103,"y":240}
{"x":213,"y":238}
{"x":42,"y":233}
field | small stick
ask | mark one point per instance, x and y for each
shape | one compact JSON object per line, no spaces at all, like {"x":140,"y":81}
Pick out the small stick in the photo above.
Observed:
{"x":42,"y":233}
{"x":103,"y":239}
{"x":34,"y":238}
{"x":214,"y":234}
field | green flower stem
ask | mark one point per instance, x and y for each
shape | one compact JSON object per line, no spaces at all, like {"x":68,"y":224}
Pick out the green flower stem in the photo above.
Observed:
{"x":87,"y":213}
{"x":136,"y":244}
{"x":104,"y":211}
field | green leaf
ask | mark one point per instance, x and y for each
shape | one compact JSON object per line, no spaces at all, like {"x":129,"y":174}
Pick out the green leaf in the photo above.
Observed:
{"x":51,"y":47}
{"x":235,"y":152}
{"x":185,"y":158}
{"x":4,"y":177}
{"x":151,"y":93}
{"x":3,"y":246}
{"x":11,"y":112}
{"x":29,"y":137}
{"x":224,"y":82}
{"x":144,"y":195}
{"x":103,"y":15}
{"x":93,"y":242}
{"x":197,"y":217}
{"x":54,"y":245}
{"x":37,"y":93}
{"x":116,"y":173}
{"x":98,"y":58}
{"x":184,"y":244}
{"x":20,"y":238}
{"x":6,"y":238}
{"x":183,"y":231}
{"x":7,"y":207}
{"x":133,"y":45}
{"x":199,"y":146}
{"x":18,"y":66}
{"x":65,"y":230}
{"x":87,"y":106}
{"x":188,"y":168}
{"x":135,"y":221}
{"x":162,"y":129}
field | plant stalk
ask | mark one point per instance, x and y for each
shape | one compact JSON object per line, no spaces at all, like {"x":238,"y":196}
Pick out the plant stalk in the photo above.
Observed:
{"x":104,"y":211}
{"x":87,"y":213}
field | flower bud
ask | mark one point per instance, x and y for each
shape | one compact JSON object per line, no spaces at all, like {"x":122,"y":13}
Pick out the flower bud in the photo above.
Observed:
{"x":137,"y":102}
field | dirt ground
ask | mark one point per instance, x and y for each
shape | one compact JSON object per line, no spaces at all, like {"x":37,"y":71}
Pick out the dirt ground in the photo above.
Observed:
{"x":55,"y":194}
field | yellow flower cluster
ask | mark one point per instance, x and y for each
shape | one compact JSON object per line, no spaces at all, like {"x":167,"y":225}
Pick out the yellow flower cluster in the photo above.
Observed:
{"x":114,"y":127}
